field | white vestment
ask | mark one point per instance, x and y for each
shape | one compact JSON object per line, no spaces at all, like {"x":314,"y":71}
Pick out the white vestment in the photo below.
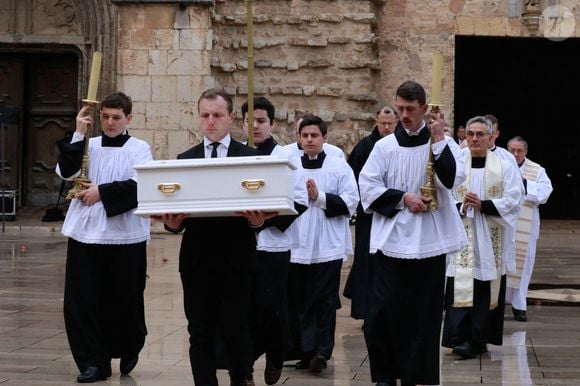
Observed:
{"x":89,"y":224}
{"x":484,"y":261}
{"x":410,"y":235}
{"x":273,"y":239}
{"x":537,"y":193}
{"x":317,"y":238}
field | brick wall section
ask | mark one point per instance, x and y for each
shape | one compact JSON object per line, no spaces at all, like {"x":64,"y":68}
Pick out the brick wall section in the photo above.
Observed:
{"x":318,"y":56}
{"x":163,"y":63}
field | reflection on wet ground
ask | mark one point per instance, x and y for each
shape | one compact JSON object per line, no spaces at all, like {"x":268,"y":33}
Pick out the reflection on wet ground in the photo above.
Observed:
{"x":34,"y":348}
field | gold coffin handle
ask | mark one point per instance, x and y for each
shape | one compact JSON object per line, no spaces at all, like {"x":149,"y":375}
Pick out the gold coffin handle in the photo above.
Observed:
{"x":253,"y":184}
{"x":169,"y":187}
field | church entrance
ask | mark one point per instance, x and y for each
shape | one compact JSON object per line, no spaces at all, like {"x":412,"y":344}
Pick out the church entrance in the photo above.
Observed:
{"x":531,"y":86}
{"x":38,"y":102}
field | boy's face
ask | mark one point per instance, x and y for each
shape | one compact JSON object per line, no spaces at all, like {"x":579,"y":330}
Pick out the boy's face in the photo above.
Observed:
{"x":311,"y":139}
{"x":113,"y":121}
{"x":215,"y":119}
{"x":262,"y":126}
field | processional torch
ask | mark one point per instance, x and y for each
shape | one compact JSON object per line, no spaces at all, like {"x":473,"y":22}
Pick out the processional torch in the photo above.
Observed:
{"x":429,"y":190}
{"x":91,"y":102}
{"x":250,"y":38}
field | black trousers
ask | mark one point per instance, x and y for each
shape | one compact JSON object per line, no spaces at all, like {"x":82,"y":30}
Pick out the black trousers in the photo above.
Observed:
{"x":403,"y":322}
{"x":317,"y":302}
{"x":217,"y":302}
{"x":104,"y":310}
{"x":269,"y":320}
{"x":477,"y":324}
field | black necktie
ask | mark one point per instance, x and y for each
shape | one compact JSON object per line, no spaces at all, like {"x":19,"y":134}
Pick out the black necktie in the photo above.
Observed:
{"x":214,"y":150}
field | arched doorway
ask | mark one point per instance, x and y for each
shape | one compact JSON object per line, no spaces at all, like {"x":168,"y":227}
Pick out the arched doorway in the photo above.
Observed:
{"x":45,"y":51}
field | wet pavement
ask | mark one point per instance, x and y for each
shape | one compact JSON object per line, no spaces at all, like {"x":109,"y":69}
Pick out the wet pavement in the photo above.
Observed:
{"x":34,"y":349}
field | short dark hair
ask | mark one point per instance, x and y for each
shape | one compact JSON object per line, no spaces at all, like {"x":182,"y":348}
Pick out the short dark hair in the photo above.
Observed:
{"x":214,"y":93}
{"x":261,"y":103}
{"x":313,"y":120}
{"x":118,"y":100}
{"x":412,"y":91}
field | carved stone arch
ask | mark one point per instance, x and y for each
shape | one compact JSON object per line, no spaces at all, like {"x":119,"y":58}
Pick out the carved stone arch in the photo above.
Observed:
{"x":99,"y":21}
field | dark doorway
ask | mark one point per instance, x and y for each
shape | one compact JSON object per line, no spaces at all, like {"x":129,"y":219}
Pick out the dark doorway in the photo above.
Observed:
{"x":531,"y":85}
{"x":41,"y":90}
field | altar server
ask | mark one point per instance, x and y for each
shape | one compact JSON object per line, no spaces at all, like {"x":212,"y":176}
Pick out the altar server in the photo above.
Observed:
{"x":321,"y":240}
{"x":409,"y":242}
{"x":106,"y":258}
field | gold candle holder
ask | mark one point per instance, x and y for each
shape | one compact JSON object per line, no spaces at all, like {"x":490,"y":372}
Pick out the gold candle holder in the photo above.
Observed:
{"x":91,"y":102}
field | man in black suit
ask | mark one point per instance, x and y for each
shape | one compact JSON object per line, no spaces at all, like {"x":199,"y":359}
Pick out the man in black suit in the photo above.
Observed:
{"x":216,"y":259}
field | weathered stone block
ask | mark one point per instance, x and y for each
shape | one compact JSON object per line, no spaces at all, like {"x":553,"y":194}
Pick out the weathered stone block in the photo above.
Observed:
{"x":137,"y":86}
{"x":186,"y":62}
{"x":326,"y":115}
{"x":163,"y":88}
{"x":309,"y":90}
{"x":293,"y":65}
{"x":166,"y":39}
{"x":275,"y":90}
{"x":292,"y":90}
{"x":320,"y":63}
{"x":279,"y":64}
{"x":262,"y":63}
{"x":329,"y":91}
{"x":190,"y":39}
{"x":157,"y":62}
{"x":341,"y":117}
{"x":358,"y":116}
{"x":366,"y":39}
{"x":361,"y":17}
{"x":162,"y":115}
{"x":231,"y":89}
{"x":320,"y":42}
{"x":371,"y":97}
{"x":228,"y":67}
{"x":143,"y":38}
{"x":133,"y":62}
{"x":298,"y":41}
{"x":330,"y":17}
{"x":338,"y":39}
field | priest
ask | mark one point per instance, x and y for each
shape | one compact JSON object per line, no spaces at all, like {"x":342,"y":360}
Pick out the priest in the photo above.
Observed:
{"x":538,"y":189}
{"x":488,"y":202}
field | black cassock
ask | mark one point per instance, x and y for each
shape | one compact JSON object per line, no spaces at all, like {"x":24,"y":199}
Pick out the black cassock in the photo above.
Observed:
{"x":357,"y":283}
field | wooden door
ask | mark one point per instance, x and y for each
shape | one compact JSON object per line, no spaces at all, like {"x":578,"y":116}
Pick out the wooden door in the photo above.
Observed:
{"x":52,"y":107}
{"x":41,"y":91}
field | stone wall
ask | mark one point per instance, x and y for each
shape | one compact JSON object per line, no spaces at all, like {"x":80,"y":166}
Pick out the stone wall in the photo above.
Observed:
{"x":315,"y":56}
{"x":163,"y":63}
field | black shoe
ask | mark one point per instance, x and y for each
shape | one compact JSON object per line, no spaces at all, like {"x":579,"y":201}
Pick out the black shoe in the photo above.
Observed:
{"x":403,"y":383}
{"x":469,"y":350}
{"x":520,"y":315}
{"x":90,"y":375}
{"x":127,"y":365}
{"x":317,"y":363}
{"x":271,"y":373}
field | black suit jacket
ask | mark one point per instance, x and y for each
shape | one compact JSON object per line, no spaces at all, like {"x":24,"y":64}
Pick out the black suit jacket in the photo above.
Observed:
{"x":217,"y":243}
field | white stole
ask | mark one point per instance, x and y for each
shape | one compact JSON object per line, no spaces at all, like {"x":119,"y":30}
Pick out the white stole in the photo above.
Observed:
{"x":464,"y":281}
{"x":530,"y":172}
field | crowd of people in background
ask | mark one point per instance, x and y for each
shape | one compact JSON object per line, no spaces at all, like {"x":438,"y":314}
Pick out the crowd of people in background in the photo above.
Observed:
{"x":431,"y":267}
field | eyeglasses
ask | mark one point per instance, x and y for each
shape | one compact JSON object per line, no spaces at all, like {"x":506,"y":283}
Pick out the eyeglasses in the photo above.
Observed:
{"x":478,"y":134}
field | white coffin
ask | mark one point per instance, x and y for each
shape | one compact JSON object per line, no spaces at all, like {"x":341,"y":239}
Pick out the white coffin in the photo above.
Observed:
{"x":210,"y":187}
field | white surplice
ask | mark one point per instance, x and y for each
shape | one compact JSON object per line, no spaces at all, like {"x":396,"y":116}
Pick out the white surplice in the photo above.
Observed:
{"x":410,"y":235}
